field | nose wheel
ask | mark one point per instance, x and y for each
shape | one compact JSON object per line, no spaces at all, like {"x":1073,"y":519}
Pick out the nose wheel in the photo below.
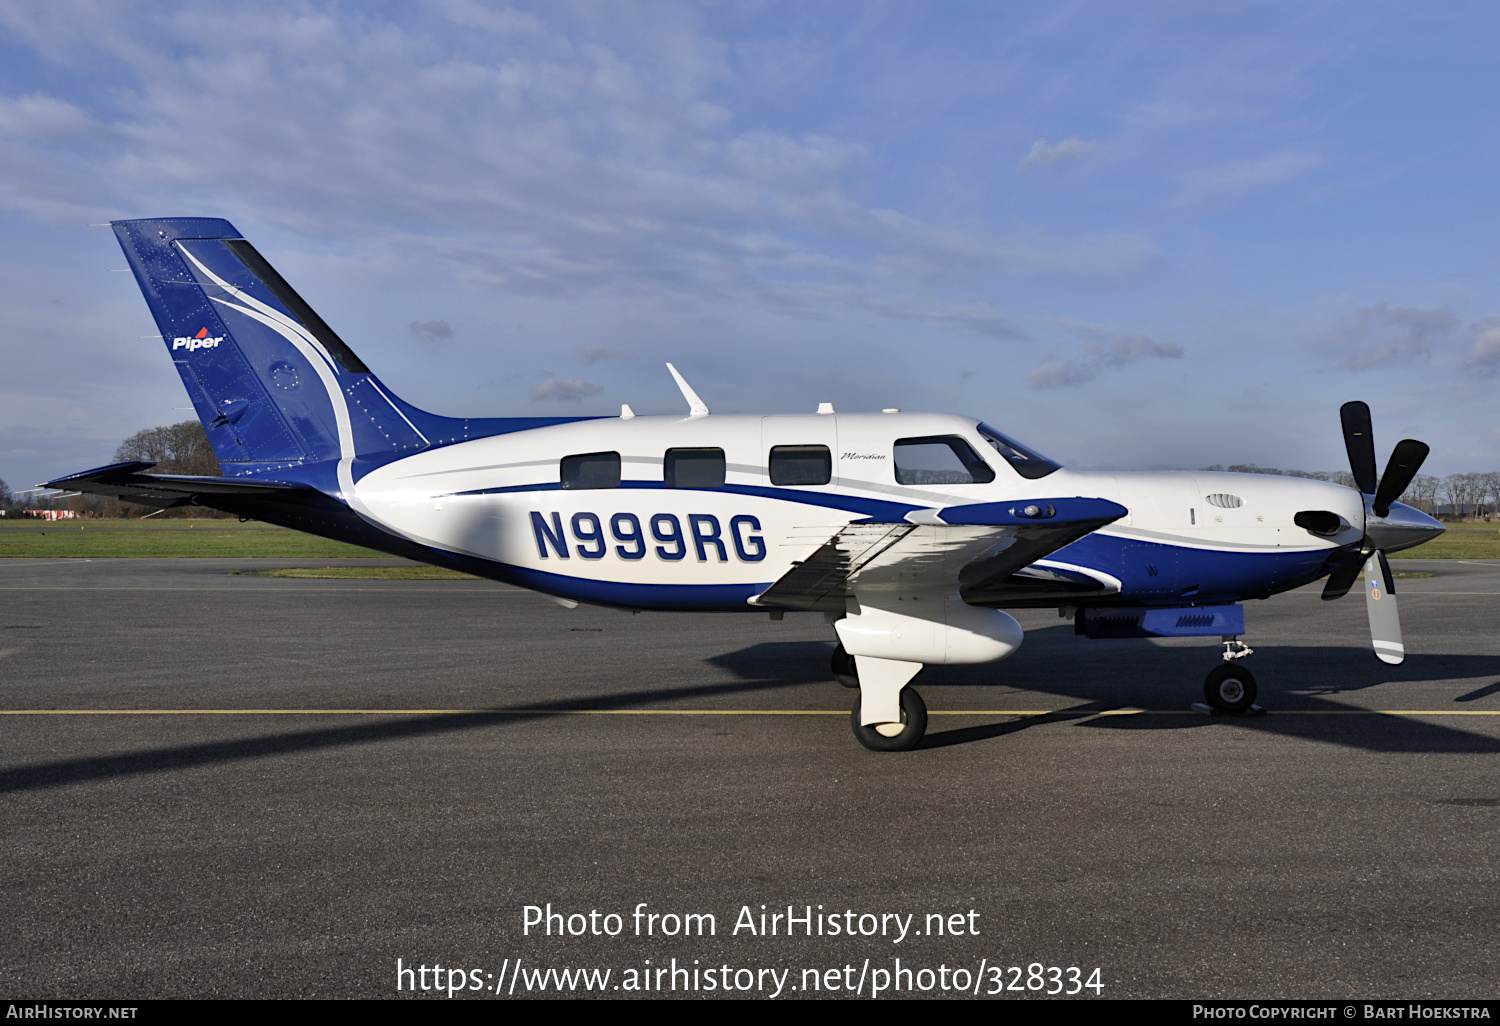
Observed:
{"x":1229,"y":688}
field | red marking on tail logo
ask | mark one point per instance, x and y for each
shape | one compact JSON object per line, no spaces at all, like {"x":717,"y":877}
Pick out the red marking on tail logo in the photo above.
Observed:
{"x":202,"y":333}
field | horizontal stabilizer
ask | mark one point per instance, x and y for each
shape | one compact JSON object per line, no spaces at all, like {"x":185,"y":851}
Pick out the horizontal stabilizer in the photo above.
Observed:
{"x":125,"y":481}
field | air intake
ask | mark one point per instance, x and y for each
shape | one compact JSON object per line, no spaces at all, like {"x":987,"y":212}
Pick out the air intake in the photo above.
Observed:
{"x":1224,"y":500}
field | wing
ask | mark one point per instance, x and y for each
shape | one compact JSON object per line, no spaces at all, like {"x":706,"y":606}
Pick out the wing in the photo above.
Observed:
{"x":985,"y":551}
{"x":126,"y":482}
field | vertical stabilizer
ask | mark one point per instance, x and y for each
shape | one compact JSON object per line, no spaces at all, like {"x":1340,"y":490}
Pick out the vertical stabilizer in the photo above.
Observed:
{"x":270,"y":380}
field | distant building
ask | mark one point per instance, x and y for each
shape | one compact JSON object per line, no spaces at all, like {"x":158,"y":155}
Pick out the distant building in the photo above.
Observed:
{"x":53,"y":514}
{"x":1461,"y":510}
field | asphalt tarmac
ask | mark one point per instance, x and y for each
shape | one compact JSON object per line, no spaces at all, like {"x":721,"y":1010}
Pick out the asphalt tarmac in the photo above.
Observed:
{"x":504,"y":752}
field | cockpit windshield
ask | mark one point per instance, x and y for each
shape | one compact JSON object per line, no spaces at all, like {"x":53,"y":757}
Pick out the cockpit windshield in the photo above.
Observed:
{"x":1028,"y":464}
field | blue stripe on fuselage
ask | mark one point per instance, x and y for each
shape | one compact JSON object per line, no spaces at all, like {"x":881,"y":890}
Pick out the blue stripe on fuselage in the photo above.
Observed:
{"x":1159,"y":573}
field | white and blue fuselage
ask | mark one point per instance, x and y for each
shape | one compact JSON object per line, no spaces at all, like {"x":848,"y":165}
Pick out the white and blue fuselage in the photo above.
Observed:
{"x":1186,"y":538}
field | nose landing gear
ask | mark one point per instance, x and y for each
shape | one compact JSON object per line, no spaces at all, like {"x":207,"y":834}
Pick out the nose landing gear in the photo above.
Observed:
{"x":1230,"y":687}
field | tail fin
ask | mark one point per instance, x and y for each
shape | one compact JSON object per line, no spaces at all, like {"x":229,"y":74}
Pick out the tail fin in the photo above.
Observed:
{"x":270,"y":380}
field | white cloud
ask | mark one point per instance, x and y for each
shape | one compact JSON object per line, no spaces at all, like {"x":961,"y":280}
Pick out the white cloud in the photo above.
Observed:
{"x":1062,"y":374}
{"x":1098,"y":357}
{"x":1375,"y":336}
{"x":589,"y":355}
{"x":567,"y":390}
{"x":1234,"y":179}
{"x":1047,"y":156}
{"x":431,"y":331}
{"x":1484,"y":357}
{"x":536,"y":153}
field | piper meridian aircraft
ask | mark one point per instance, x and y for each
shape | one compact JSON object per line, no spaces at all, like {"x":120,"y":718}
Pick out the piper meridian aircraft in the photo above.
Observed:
{"x":910,"y":532}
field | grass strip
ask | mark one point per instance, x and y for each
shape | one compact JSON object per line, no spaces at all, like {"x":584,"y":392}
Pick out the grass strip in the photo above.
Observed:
{"x":417,"y":572}
{"x":219,"y":539}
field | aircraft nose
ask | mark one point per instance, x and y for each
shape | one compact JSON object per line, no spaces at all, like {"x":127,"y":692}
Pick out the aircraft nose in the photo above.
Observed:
{"x":1402,"y":528}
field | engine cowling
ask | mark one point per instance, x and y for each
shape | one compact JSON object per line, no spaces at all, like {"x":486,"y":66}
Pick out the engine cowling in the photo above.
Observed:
{"x":937,"y":630}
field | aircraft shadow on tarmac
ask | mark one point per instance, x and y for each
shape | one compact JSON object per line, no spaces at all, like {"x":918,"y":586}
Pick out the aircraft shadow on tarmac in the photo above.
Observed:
{"x":1096,"y":675}
{"x":62,"y":772}
{"x":1100,"y":675}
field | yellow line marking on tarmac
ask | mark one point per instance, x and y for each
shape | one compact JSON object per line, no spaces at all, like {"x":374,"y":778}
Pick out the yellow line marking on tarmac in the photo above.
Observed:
{"x":715,"y":712}
{"x":423,"y":712}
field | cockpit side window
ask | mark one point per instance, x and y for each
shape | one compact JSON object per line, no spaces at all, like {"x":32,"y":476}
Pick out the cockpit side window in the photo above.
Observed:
{"x":1027,"y":462}
{"x":939,"y":459}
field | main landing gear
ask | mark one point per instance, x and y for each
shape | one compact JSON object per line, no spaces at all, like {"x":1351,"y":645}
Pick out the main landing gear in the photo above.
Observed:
{"x":894,"y":737}
{"x":882,"y":737}
{"x":1230,"y":687}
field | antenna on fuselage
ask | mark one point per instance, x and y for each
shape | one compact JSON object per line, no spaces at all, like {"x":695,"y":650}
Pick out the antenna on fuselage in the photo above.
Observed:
{"x":696,"y":406}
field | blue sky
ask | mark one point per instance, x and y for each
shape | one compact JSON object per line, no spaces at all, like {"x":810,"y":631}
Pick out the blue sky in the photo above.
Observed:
{"x":1132,"y":235}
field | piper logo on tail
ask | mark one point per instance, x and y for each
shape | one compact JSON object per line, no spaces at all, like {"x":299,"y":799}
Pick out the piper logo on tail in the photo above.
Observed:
{"x":202,"y":340}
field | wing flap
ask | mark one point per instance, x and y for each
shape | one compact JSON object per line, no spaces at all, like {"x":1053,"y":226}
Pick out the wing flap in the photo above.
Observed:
{"x":820,"y":582}
{"x":972,"y":549}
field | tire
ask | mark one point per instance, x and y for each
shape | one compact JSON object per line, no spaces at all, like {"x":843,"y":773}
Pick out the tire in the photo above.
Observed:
{"x":913,"y":726}
{"x":844,"y":670}
{"x":1229,"y":688}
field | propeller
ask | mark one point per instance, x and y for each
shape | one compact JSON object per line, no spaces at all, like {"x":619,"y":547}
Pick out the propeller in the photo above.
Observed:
{"x":1382,"y":530}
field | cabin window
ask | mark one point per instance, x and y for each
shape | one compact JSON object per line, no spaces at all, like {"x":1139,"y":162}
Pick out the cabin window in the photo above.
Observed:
{"x":693,"y":468}
{"x":1029,"y":463}
{"x":939,"y":459}
{"x":801,"y":465}
{"x":591,"y":470}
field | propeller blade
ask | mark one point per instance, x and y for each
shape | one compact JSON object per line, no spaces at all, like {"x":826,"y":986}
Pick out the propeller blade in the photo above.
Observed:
{"x":1342,"y":578}
{"x":1406,"y":460}
{"x":1359,"y":441}
{"x":1380,"y":606}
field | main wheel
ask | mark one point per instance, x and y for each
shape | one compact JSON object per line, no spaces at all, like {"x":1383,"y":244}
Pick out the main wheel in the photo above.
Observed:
{"x":893,"y":737}
{"x":844,"y":670}
{"x":1229,"y":688}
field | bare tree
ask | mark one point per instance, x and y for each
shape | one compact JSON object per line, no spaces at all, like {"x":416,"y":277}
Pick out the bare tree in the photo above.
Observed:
{"x":1451,"y":491}
{"x":1463,"y":490}
{"x":175,"y":449}
{"x":1423,"y":492}
{"x":1342,"y":477}
{"x":1491,"y":489}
